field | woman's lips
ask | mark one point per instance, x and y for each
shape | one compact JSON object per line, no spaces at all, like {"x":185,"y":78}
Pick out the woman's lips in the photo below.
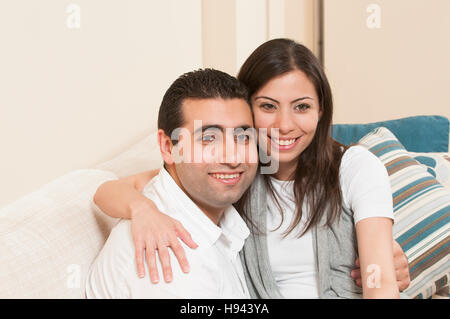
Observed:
{"x":284,"y":144}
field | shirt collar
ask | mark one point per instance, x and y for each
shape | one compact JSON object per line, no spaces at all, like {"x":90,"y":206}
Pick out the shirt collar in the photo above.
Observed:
{"x":234,"y":229}
{"x":204,"y":231}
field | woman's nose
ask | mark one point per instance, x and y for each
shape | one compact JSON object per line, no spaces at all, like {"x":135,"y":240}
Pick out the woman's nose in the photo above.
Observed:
{"x":285,"y":122}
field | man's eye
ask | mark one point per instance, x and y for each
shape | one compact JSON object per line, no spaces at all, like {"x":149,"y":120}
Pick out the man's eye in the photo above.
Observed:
{"x":208,"y":138}
{"x":302,"y":107}
{"x":242,"y":138}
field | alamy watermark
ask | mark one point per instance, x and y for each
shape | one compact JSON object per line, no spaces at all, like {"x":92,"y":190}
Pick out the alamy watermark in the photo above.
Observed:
{"x":374,"y":19}
{"x":73,"y":20}
{"x":74,"y":276}
{"x":232,"y":145}
{"x":374,"y":279}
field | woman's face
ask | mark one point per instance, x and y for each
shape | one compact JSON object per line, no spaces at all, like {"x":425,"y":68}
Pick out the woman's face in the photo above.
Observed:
{"x":290,"y":104}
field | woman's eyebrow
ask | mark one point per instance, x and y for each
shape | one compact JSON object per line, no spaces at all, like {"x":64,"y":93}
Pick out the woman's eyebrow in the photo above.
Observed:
{"x":296,"y":100}
{"x":266,"y":97}
{"x":302,"y":98}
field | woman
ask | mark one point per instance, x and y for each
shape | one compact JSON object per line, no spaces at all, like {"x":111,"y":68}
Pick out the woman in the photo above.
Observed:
{"x":319,"y":182}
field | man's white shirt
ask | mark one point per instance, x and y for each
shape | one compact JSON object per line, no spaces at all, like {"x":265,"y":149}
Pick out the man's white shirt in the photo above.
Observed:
{"x":215,"y":267}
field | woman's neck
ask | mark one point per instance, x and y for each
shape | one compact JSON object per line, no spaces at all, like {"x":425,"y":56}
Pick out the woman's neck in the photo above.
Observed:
{"x":286,"y":171}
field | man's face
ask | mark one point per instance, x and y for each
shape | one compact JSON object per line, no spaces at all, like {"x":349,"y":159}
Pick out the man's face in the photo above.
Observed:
{"x":219,"y":156}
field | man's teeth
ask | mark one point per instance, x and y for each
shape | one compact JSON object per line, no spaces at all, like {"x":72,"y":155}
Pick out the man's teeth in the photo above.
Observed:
{"x":225,"y":176}
{"x":285,"y":142}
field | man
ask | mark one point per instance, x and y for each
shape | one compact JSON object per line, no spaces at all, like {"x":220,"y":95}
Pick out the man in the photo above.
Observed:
{"x":218,"y":163}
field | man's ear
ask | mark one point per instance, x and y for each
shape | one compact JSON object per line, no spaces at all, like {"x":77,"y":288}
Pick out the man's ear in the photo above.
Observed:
{"x":165,"y":147}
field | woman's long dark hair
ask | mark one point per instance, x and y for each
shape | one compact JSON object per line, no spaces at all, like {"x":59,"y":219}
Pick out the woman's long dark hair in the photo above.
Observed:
{"x":316,"y":178}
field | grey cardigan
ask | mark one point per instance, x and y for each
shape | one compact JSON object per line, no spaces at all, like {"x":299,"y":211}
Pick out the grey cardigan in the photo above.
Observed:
{"x":335,"y":250}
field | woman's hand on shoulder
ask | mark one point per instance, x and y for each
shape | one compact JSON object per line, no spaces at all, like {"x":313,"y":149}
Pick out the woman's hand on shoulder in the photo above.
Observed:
{"x":154,"y":231}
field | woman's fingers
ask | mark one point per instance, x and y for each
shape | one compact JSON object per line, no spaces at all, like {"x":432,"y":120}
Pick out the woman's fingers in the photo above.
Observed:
{"x":139,"y":250}
{"x":159,"y":232}
{"x":151,"y":262}
{"x":185,"y":236}
{"x":180,"y":254}
{"x":147,"y":248}
{"x":164,"y":258}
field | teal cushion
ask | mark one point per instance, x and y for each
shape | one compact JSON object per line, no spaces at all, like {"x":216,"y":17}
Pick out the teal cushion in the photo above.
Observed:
{"x":417,"y":134}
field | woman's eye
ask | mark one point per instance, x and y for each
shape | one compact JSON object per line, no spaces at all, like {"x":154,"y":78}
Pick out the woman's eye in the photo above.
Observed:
{"x":268,"y":106}
{"x":302,"y":107}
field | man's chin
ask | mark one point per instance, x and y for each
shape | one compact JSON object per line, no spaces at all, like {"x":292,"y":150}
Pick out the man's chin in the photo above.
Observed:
{"x":227,"y":201}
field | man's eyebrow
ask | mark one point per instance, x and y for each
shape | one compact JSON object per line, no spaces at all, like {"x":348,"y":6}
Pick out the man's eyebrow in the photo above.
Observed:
{"x":243,"y":127}
{"x":296,"y":100}
{"x":208,"y":127}
{"x":221,"y":128}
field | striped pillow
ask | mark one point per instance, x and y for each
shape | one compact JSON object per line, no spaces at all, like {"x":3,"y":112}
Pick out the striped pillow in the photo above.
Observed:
{"x":421,"y":211}
{"x":438,"y":165}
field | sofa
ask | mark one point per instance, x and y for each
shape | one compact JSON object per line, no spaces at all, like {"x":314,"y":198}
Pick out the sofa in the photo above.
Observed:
{"x":49,"y":238}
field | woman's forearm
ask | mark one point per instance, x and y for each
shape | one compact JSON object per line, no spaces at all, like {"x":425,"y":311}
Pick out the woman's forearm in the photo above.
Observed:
{"x":120,"y":199}
{"x":379,"y":282}
{"x":151,"y":229}
{"x":375,"y":248}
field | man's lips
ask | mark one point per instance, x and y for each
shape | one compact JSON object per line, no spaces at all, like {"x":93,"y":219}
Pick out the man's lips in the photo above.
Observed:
{"x":228,"y":178}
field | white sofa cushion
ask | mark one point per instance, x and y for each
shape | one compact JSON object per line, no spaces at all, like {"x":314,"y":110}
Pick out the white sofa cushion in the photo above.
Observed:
{"x":49,"y":238}
{"x":142,"y":156}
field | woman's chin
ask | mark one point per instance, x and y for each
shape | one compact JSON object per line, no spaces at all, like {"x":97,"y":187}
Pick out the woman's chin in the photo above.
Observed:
{"x":285,"y":157}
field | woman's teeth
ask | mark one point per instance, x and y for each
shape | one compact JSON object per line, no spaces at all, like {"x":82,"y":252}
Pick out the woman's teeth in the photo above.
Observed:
{"x":225,"y":176}
{"x":285,"y":142}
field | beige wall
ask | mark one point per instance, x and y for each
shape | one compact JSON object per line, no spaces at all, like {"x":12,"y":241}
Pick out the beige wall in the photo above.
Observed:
{"x":400,"y":69}
{"x":219,"y":34}
{"x":72,"y":98}
{"x":232,"y":29}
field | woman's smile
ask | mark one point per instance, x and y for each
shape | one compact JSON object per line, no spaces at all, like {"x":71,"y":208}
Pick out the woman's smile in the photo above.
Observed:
{"x":284,"y":144}
{"x":289,"y":105}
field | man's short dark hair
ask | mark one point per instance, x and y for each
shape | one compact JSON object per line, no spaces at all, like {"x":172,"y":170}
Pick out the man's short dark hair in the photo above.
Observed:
{"x":200,"y":84}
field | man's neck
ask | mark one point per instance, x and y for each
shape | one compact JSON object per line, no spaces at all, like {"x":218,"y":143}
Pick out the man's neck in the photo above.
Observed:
{"x":213,"y":213}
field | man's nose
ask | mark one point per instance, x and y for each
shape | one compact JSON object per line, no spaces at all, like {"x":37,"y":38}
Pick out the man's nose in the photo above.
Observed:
{"x":231,"y":154}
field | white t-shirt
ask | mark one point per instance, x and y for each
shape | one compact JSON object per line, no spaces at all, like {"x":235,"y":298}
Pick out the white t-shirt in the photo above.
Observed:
{"x":366,"y":191}
{"x":215,"y":267}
